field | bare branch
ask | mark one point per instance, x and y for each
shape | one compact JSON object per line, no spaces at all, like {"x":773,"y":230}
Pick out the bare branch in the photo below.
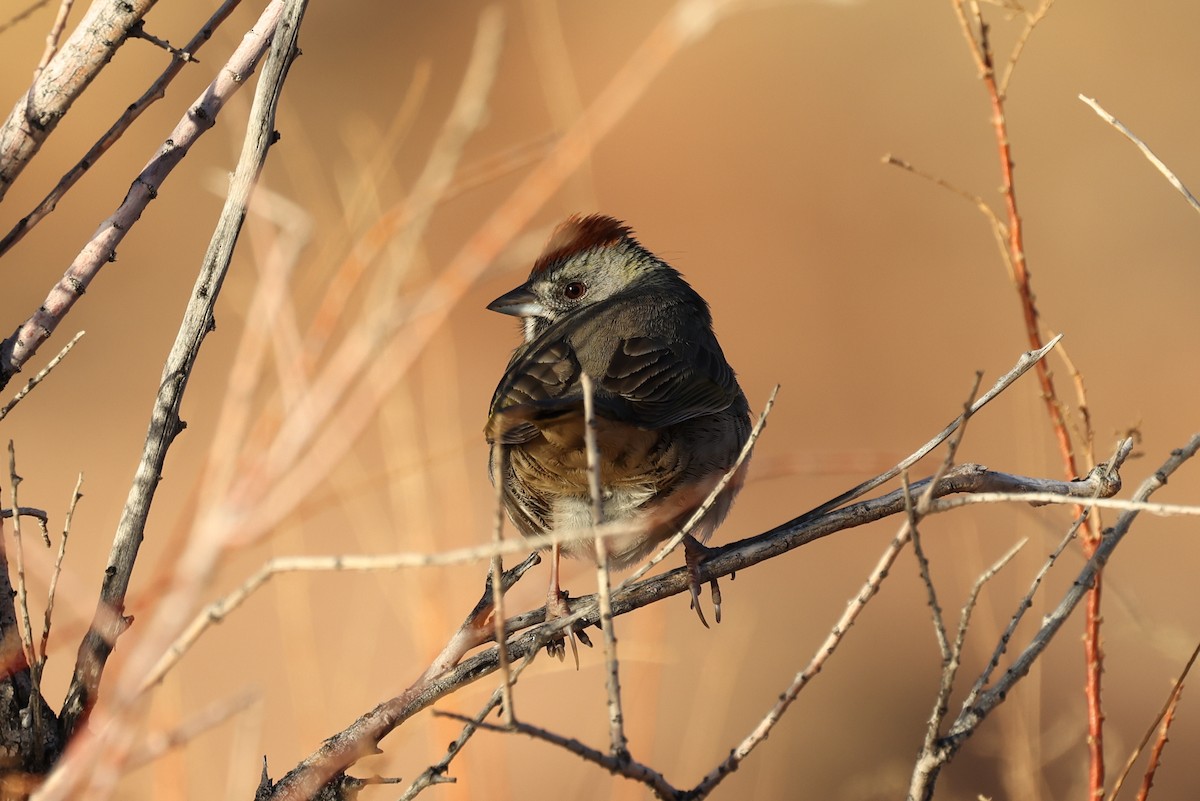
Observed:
{"x":1146,"y":151}
{"x":100,"y":33}
{"x":20,"y":346}
{"x":361,"y":738}
{"x":970,"y":718}
{"x":155,"y":92}
{"x":280,"y":31}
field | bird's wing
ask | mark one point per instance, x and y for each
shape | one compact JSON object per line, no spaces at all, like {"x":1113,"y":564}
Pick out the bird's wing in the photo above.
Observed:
{"x":539,"y":381}
{"x":657,"y":384}
{"x":647,"y":382}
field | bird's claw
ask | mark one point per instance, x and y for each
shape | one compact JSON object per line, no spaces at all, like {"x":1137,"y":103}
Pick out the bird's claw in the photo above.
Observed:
{"x":694,"y":555}
{"x":558,"y":606}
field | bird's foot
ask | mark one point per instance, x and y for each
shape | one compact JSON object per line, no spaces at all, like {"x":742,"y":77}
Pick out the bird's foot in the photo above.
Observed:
{"x":558,"y":606}
{"x":694,"y":554}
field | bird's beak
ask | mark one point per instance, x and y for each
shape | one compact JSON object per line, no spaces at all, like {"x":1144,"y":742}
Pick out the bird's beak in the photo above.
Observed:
{"x":520,"y":302}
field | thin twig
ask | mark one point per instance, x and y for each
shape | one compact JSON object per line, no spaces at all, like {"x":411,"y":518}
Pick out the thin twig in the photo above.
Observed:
{"x":1026,"y":602}
{"x":915,"y":513}
{"x":1041,"y":498}
{"x":139,"y":32}
{"x":823,"y":653}
{"x":999,"y":230}
{"x":21,"y":15}
{"x":853,"y":609}
{"x":436,"y":773}
{"x":497,"y":584}
{"x":951,"y":665}
{"x":35,"y":666}
{"x":56,"y":29}
{"x":939,"y":622}
{"x":1027,"y":360}
{"x":618,"y":747}
{"x":970,"y":718}
{"x":1031,"y":22}
{"x":1146,"y":151}
{"x":37,"y":379}
{"x":614,"y":764}
{"x":978,"y":43}
{"x":58,"y":561}
{"x":38,"y":110}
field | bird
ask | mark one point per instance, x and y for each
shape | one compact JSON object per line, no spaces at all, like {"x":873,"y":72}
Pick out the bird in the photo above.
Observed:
{"x":670,"y":416}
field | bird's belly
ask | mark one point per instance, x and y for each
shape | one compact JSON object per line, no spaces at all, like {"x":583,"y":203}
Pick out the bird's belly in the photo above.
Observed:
{"x":623,"y":508}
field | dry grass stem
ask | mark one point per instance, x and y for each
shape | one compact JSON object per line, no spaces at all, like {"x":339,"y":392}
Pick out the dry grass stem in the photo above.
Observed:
{"x":343,"y":397}
{"x":684,"y":24}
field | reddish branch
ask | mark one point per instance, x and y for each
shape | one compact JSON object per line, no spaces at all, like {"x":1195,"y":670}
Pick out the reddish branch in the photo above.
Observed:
{"x":1093,"y":655}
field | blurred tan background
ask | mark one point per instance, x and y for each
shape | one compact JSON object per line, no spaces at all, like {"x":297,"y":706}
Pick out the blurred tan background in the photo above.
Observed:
{"x":753,"y":164}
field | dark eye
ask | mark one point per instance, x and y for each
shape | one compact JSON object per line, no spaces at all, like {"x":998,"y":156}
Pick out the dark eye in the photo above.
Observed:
{"x":574,"y":290}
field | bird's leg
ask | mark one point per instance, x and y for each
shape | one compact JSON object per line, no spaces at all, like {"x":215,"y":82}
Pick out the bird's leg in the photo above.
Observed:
{"x":557,"y":606}
{"x":694,"y":553}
